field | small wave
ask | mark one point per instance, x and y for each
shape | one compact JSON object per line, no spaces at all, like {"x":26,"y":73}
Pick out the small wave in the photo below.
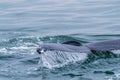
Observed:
{"x":116,"y":76}
{"x":72,"y":75}
{"x":7,"y":57}
{"x":31,"y":61}
{"x":105,"y":72}
{"x":95,"y":55}
{"x":58,"y":39}
{"x":26,"y":45}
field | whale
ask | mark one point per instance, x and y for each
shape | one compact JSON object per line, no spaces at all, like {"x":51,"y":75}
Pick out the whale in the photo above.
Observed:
{"x":75,"y":46}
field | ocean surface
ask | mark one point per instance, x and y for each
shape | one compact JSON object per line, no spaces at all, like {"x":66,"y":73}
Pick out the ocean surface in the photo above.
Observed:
{"x":24,"y":24}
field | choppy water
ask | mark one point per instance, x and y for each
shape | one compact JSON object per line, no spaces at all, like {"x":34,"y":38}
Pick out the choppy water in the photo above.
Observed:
{"x":26,"y":23}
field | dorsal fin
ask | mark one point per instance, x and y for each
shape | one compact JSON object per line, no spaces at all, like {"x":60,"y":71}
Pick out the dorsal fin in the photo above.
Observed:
{"x":75,"y":43}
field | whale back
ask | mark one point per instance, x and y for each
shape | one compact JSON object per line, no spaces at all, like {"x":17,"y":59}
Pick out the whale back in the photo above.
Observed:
{"x":107,"y":45}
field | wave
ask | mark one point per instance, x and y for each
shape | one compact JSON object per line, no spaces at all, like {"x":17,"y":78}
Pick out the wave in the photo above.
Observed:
{"x":50,"y":59}
{"x":29,"y":44}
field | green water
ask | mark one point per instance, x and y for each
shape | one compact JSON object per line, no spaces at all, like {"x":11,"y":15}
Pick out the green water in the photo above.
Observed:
{"x":26,"y":23}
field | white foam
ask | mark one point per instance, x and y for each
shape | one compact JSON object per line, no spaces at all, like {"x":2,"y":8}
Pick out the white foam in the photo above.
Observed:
{"x":18,"y":49}
{"x":115,"y":77}
{"x":3,"y":50}
{"x":116,"y":51}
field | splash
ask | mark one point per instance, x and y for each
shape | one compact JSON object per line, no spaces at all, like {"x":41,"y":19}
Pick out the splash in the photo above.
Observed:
{"x":58,"y":59}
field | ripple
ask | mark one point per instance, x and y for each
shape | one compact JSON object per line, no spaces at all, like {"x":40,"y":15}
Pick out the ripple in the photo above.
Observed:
{"x":12,"y":1}
{"x":26,"y":23}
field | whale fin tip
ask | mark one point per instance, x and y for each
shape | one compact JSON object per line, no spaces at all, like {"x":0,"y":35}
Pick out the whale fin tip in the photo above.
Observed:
{"x":75,"y":43}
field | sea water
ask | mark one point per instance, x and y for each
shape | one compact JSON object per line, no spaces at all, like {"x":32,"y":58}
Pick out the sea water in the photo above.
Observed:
{"x":24,"y":24}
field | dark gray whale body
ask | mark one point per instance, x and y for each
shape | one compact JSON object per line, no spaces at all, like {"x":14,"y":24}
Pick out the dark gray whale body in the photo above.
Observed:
{"x":73,"y":46}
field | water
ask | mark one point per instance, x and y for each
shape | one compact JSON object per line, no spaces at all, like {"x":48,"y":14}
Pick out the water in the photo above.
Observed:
{"x":26,"y":23}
